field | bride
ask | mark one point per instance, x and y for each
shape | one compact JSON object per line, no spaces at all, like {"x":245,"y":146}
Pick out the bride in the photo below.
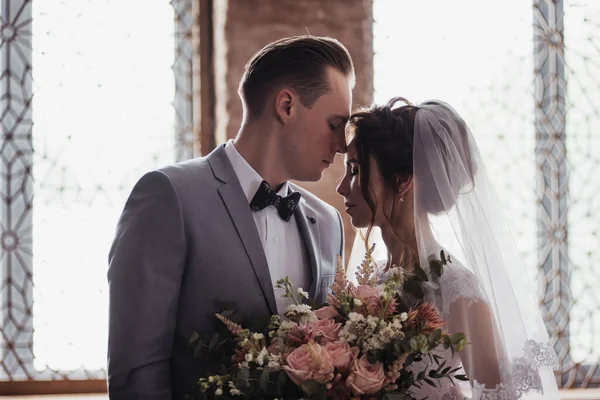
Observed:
{"x":415,"y":173}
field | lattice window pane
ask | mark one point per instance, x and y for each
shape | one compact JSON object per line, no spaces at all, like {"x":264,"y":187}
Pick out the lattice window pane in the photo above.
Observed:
{"x":103,"y":115}
{"x":582,"y":55}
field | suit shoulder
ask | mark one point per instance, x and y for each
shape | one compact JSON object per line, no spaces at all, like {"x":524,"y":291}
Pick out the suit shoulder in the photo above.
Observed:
{"x":182,"y":173}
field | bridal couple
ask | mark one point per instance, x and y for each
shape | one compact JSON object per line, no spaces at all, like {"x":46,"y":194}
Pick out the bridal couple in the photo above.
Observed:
{"x":222,"y":229}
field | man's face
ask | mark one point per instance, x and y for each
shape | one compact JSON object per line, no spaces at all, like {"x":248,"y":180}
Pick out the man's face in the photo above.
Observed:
{"x":318,"y":133}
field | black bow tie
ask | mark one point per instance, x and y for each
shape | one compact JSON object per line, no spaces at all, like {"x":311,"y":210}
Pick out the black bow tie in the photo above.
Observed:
{"x":265,"y":196}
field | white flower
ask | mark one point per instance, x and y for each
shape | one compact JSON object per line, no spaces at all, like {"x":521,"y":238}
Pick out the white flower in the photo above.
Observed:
{"x":298,"y":308}
{"x":235,"y":392}
{"x":355,"y":317}
{"x":302,"y":293}
{"x":358,"y":303}
{"x":260,"y":358}
{"x":257,"y":336}
{"x":219,"y":392}
{"x":300,"y":313}
{"x":249,"y":357}
{"x":403,"y":317}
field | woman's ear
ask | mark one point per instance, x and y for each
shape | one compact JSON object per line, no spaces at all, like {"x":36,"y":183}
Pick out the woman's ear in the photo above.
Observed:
{"x":404,"y":185}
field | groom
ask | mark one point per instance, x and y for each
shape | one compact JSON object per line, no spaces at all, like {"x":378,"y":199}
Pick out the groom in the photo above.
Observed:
{"x":225,"y":227}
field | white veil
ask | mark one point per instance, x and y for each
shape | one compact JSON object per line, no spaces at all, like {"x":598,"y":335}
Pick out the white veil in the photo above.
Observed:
{"x":455,"y":201}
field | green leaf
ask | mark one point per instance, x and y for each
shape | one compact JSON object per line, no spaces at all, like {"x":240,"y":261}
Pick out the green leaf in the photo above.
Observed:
{"x":447,"y":342}
{"x":429,"y":382}
{"x":193,"y":339}
{"x":435,"y":336}
{"x":441,"y":366}
{"x":461,"y":378}
{"x":443,"y":257}
{"x":310,"y":387}
{"x":413,"y":344}
{"x":213,"y":342}
{"x":414,"y":288}
{"x":421,"y":274}
{"x":436,"y":267}
{"x":373,"y":356}
{"x":457,"y":338}
{"x":264,"y":380}
{"x":282,"y":381}
{"x":241,"y":378}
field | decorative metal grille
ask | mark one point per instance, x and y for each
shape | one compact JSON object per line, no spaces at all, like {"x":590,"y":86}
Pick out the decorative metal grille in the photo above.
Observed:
{"x":529,"y":94}
{"x":105,"y":112}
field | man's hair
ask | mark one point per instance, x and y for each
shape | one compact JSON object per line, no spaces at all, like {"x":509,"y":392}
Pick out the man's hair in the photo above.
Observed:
{"x":299,"y":63}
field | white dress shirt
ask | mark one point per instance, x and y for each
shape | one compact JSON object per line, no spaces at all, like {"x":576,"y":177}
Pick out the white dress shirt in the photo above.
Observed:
{"x":282,"y":241}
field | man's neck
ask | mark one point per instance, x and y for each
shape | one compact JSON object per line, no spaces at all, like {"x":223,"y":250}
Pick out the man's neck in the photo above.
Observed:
{"x":255,"y":145}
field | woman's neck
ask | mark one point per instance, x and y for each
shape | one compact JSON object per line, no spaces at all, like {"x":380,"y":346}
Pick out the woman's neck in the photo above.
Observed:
{"x":401,"y":244}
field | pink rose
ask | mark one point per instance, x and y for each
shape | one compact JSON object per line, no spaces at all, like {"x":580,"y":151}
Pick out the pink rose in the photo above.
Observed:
{"x":365,"y":378}
{"x":369,"y":296}
{"x":328,"y":328}
{"x":309,"y":361}
{"x":326,"y":312}
{"x":341,"y":354}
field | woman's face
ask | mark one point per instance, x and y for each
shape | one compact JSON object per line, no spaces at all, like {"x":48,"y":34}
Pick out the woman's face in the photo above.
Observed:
{"x":356,"y":205}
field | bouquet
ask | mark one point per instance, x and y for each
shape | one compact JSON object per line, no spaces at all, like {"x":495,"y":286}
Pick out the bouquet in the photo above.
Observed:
{"x":359,"y":345}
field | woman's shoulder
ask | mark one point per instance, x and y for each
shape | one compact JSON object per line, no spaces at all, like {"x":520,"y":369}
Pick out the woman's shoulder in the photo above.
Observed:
{"x":458,"y":281}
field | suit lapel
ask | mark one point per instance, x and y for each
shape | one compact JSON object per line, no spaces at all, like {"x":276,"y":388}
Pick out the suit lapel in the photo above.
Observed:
{"x":309,"y":227}
{"x":237,"y":206}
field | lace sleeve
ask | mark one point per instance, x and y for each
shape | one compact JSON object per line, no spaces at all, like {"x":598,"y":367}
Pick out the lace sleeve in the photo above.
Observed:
{"x":458,"y":282}
{"x":494,"y":375}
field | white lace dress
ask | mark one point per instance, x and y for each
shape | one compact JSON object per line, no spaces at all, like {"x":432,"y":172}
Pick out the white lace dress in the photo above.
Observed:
{"x":465,"y":308}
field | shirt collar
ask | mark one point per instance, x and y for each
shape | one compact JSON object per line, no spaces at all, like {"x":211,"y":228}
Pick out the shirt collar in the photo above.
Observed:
{"x":249,"y":179}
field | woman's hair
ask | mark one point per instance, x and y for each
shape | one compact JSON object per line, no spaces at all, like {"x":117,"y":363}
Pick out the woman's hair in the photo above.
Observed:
{"x":384,"y":134}
{"x":387,"y":135}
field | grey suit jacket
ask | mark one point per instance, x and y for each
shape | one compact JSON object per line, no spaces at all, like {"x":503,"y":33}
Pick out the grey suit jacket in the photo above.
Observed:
{"x":185,"y":242}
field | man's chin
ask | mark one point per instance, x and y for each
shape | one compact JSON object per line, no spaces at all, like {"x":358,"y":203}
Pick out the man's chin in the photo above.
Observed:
{"x":311,"y":177}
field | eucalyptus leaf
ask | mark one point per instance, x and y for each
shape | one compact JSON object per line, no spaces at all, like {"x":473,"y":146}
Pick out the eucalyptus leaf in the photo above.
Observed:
{"x":195,"y":336}
{"x":414,"y":288}
{"x":310,"y":387}
{"x":421,"y":274}
{"x":436,"y":267}
{"x":213,"y":342}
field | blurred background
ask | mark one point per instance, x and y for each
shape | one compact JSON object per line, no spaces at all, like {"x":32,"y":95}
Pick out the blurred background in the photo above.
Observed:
{"x":96,"y":92}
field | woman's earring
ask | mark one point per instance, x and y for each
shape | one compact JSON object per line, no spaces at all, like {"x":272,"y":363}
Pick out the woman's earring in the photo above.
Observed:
{"x":401,"y":197}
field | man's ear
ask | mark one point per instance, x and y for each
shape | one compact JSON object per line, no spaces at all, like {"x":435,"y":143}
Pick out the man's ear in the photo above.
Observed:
{"x":285,"y":101}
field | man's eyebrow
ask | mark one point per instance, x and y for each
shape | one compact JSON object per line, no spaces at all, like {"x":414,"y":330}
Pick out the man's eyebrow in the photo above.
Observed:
{"x":343,"y":117}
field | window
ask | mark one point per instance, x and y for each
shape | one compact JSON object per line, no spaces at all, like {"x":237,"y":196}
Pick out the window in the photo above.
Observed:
{"x":106,"y":84}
